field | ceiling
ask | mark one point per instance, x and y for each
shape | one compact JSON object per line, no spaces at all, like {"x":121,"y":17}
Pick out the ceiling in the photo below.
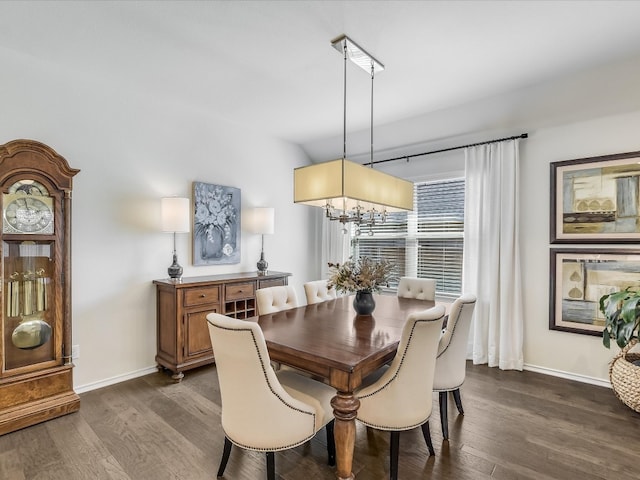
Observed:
{"x":452,"y":67}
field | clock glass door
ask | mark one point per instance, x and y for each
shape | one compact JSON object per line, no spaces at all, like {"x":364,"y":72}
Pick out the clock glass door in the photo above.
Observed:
{"x":28,"y":303}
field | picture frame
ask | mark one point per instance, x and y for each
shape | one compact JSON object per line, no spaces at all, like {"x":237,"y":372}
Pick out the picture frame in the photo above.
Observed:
{"x":578,"y":278}
{"x":216,"y":224}
{"x":595,"y":200}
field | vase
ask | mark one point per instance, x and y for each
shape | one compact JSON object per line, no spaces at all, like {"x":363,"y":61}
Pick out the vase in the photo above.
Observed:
{"x":363,"y":303}
{"x":211,"y":244}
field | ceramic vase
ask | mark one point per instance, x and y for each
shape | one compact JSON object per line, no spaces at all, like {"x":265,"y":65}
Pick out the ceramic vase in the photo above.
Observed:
{"x":363,"y":303}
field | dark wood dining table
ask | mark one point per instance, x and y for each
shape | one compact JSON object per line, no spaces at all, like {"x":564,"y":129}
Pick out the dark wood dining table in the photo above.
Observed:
{"x":331,"y":342}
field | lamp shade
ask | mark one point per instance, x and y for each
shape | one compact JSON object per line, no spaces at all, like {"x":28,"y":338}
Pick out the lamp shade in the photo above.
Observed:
{"x":263,"y":220}
{"x":175,"y":215}
{"x":346,"y":185}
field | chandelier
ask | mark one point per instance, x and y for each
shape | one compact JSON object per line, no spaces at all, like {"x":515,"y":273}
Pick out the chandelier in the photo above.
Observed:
{"x":350,"y":192}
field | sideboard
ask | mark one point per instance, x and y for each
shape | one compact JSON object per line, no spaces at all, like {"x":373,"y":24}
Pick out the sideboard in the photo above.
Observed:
{"x":182,"y":305}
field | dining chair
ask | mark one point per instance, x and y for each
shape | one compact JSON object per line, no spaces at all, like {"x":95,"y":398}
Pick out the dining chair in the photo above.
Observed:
{"x":276,"y":299}
{"x":318,"y":291}
{"x":263,"y":410}
{"x":451,"y":362}
{"x":420,"y":288}
{"x":400,"y":397}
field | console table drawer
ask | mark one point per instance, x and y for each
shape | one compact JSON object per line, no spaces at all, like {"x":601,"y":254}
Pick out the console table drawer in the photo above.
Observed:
{"x":182,"y":307}
{"x":201,"y":295}
{"x":239,"y":291}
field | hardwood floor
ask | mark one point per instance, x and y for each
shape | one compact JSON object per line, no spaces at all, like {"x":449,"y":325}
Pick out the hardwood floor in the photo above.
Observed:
{"x":517,"y":425}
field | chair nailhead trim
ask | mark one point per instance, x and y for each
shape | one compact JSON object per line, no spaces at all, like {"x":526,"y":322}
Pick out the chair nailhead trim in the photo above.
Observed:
{"x":395,"y":375}
{"x":455,"y":324}
{"x":264,"y":372}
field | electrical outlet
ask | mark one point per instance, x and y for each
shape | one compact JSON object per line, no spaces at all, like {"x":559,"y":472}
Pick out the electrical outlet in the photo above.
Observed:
{"x":75,"y":351}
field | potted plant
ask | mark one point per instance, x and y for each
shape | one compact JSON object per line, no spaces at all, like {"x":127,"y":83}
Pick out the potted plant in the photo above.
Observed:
{"x":622,"y":317}
{"x":363,"y":276}
{"x":622,"y":324}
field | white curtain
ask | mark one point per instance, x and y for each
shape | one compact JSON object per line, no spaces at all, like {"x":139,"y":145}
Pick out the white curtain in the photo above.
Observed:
{"x":491,"y":265}
{"x":335,"y":245}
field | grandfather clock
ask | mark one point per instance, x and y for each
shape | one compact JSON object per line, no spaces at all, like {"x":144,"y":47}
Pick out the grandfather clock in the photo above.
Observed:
{"x":36,"y":381}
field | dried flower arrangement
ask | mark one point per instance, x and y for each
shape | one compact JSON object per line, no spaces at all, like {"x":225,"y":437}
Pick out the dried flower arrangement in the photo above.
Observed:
{"x":361,"y":275}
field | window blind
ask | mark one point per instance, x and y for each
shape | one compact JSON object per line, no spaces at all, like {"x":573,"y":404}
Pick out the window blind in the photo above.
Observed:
{"x":441,"y":259}
{"x":427,"y":242}
{"x":440,"y":206}
{"x":392,"y":249}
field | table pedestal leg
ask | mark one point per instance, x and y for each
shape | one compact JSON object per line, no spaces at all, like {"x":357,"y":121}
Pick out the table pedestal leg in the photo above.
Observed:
{"x":345,"y":407}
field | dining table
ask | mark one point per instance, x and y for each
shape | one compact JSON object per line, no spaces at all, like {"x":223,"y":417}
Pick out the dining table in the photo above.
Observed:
{"x":335,"y":345}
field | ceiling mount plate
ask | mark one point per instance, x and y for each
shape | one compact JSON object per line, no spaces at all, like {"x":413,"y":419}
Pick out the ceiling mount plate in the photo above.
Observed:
{"x":357,"y":54}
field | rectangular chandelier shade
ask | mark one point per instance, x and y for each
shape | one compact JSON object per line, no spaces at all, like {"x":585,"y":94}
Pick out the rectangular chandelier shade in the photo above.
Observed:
{"x":346,"y":185}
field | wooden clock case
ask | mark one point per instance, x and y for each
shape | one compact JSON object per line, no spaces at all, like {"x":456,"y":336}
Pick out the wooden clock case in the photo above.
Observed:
{"x":36,"y":381}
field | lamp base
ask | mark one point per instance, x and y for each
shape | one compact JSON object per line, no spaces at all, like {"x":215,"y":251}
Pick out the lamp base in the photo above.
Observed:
{"x":175,"y":270}
{"x":262,"y":265}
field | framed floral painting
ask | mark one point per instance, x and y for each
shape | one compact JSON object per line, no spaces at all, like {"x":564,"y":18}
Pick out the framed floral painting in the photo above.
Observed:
{"x":216,"y":224}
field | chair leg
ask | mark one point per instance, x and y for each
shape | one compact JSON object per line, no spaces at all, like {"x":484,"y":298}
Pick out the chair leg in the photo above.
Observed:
{"x":426,"y":433}
{"x":458,"y":400}
{"x":443,"y":415}
{"x":225,"y":456}
{"x":331,"y":444}
{"x":393,"y":455}
{"x":271,"y":466}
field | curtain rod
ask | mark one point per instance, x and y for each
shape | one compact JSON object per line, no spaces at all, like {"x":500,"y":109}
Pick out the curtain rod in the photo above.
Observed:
{"x":407,"y":157}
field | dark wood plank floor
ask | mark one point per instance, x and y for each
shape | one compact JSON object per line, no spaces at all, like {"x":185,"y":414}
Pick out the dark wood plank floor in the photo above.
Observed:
{"x":517,"y":425}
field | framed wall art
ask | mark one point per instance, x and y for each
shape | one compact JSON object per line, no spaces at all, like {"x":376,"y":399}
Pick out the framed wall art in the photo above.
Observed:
{"x":216,"y":224}
{"x":579,"y":278}
{"x":595,"y":200}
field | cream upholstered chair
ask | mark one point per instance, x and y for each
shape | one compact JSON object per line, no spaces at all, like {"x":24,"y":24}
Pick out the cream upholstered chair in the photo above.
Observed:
{"x":401,"y":397}
{"x":273,"y":300}
{"x":317,"y":291}
{"x":276,"y":299}
{"x":262,"y":410}
{"x":451,"y":363}
{"x":420,"y":288}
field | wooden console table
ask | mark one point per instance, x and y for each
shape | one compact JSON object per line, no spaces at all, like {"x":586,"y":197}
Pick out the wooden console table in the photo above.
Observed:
{"x":183,"y":339}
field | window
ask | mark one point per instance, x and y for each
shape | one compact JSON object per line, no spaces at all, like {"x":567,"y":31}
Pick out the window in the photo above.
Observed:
{"x":427,"y":242}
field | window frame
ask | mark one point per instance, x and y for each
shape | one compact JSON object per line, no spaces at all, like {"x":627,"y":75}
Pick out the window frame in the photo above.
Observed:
{"x":412,"y":237}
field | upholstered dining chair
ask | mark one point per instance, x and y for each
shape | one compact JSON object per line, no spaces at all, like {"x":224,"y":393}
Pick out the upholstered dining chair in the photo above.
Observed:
{"x":317,"y":291}
{"x":451,"y":363}
{"x":420,"y":288}
{"x":263,"y":410}
{"x":400,"y":397}
{"x":276,"y":299}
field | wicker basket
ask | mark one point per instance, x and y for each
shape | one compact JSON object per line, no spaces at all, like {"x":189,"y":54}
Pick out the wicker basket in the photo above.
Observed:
{"x":625,"y":377}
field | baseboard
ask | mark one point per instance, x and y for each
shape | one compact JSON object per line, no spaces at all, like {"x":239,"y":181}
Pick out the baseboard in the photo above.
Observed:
{"x":113,"y":380}
{"x":531,"y":368}
{"x":569,"y":376}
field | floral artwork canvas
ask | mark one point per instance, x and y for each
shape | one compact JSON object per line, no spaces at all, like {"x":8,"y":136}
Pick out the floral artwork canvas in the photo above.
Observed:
{"x":216,"y":225}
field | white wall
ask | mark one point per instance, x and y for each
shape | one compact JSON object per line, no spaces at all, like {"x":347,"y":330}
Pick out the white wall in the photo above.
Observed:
{"x":549,"y":350}
{"x":132,"y":150}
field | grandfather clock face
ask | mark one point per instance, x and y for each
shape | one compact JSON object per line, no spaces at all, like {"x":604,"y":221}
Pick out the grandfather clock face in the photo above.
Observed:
{"x":27,"y":209}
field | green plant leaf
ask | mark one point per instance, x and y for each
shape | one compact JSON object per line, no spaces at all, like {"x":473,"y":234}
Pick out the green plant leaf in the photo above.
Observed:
{"x":612,"y":301}
{"x":606,"y":338}
{"x":624,"y":334}
{"x":628,"y":312}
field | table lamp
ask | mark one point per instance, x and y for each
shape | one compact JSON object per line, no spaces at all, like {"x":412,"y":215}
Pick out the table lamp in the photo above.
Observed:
{"x":263,"y":223}
{"x":175,"y":219}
